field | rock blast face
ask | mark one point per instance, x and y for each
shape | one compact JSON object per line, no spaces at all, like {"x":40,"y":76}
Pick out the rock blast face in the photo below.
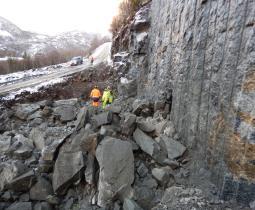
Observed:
{"x":200,"y":56}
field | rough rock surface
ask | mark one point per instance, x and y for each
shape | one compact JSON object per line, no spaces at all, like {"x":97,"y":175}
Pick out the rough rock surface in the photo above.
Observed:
{"x":199,"y":56}
{"x":66,"y":170}
{"x":116,"y":163}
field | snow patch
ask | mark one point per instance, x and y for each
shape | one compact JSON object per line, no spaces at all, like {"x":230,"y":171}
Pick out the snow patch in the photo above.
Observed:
{"x":124,"y":80}
{"x":33,"y":89}
{"x":140,"y":37}
{"x":103,"y":53}
{"x":5,"y":33}
{"x":11,"y":78}
{"x":12,"y":58}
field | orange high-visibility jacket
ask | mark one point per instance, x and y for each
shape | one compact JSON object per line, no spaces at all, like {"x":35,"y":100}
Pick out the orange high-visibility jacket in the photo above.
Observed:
{"x":95,"y":93}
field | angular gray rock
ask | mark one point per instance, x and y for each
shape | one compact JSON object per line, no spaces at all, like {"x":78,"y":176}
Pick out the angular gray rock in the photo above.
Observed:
{"x":49,"y":152}
{"x":116,"y":163}
{"x":129,"y":124}
{"x":174,"y":148}
{"x":82,"y":118}
{"x":37,"y":135}
{"x":130,"y":205}
{"x":24,"y":110}
{"x":90,"y":169}
{"x":162,"y":175}
{"x":65,"y":113}
{"x":37,"y":114}
{"x":149,"y":146}
{"x":41,"y":190}
{"x":107,"y":130}
{"x":23,"y":182}
{"x":139,"y":105}
{"x":101,"y":119}
{"x":9,"y":171}
{"x":113,"y":108}
{"x":20,"y":206}
{"x":142,"y":170}
{"x":67,"y":170}
{"x":22,"y":147}
{"x":146,"y":126}
{"x":42,"y":206}
{"x":5,"y":143}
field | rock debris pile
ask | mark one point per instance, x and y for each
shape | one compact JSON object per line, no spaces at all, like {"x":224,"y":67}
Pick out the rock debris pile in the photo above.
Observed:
{"x":59,"y":155}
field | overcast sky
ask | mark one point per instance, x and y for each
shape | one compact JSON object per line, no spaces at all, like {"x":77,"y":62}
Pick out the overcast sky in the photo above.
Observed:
{"x":56,"y":16}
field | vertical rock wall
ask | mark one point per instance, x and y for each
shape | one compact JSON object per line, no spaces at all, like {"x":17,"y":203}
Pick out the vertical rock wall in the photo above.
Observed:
{"x":205,"y":52}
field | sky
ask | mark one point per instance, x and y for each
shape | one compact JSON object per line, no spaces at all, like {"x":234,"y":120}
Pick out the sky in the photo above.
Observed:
{"x":56,"y":16}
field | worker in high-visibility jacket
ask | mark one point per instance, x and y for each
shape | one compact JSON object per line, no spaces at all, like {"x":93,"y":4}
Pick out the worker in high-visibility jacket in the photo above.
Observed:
{"x":107,"y":97}
{"x":95,"y":96}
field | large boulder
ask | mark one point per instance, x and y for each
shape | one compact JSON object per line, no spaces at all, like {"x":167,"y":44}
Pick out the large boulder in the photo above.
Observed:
{"x":116,"y":163}
{"x":67,"y":170}
{"x":24,"y":110}
{"x":65,"y":113}
{"x":41,"y":190}
{"x":82,"y":118}
{"x":149,"y":146}
{"x":102,"y":119}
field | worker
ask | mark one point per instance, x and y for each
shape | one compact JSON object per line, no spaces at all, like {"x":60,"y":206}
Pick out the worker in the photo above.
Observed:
{"x":107,"y":97}
{"x":95,"y":96}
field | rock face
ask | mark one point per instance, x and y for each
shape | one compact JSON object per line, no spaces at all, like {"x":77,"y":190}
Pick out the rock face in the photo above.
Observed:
{"x":116,"y":163}
{"x":201,"y":54}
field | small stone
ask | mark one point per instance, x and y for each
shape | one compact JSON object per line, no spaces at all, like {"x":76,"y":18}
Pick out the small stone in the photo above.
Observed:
{"x":142,"y":170}
{"x":52,"y":199}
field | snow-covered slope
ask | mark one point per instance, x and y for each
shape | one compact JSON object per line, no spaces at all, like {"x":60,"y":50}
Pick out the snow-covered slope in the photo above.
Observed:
{"x":13,"y":39}
{"x":102,"y":53}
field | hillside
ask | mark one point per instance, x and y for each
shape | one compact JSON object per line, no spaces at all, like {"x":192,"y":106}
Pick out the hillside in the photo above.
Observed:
{"x":14,"y":40}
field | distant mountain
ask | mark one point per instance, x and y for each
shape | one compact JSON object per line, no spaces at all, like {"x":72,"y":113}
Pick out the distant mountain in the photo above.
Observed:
{"x":15,"y":40}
